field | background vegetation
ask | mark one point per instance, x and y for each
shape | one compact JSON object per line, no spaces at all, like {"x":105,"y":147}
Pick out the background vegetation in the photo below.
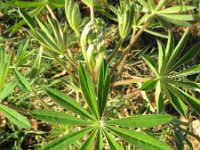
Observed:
{"x":77,"y":69}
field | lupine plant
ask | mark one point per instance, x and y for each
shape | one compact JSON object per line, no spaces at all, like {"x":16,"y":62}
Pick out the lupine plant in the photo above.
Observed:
{"x":93,"y":70}
{"x":168,"y":80}
{"x":94,"y":123}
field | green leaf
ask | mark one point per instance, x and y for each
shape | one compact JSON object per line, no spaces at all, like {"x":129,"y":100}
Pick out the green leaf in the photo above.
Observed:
{"x":23,"y":80}
{"x":103,"y":86}
{"x":159,"y":97}
{"x":7,"y":90}
{"x":174,"y":21}
{"x":66,"y":140}
{"x":27,"y":19}
{"x":178,"y":17}
{"x":57,"y":34}
{"x":88,"y":90}
{"x":15,"y":117}
{"x":32,"y":13}
{"x":192,"y":101}
{"x":144,"y":4}
{"x":99,"y":142}
{"x":142,"y":120}
{"x":161,"y":57}
{"x":176,"y":102}
{"x":140,"y":140}
{"x":151,"y":63}
{"x":191,"y":53}
{"x":112,"y":142}
{"x":177,"y":51}
{"x":21,"y":52}
{"x":59,"y":118}
{"x":68,"y":103}
{"x":90,"y":141}
{"x":44,"y":28}
{"x":24,"y":4}
{"x":170,"y":46}
{"x":4,"y":65}
{"x":149,"y":85}
{"x":176,"y":9}
{"x":189,"y":71}
{"x":188,"y":85}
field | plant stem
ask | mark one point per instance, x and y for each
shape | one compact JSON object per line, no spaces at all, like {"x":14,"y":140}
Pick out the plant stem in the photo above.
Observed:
{"x":134,"y":38}
{"x":92,"y":14}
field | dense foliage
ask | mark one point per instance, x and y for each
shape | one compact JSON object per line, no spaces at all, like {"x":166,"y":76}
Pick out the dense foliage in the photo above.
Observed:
{"x":94,"y":74}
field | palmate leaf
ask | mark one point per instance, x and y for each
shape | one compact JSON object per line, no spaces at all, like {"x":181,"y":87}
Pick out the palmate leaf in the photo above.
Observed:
{"x":68,"y":103}
{"x":66,"y":140}
{"x":142,"y":120}
{"x":90,"y":141}
{"x":112,"y":142}
{"x":59,"y":118}
{"x":88,"y":90}
{"x":140,"y":140}
{"x":15,"y":117}
{"x":103,"y":87}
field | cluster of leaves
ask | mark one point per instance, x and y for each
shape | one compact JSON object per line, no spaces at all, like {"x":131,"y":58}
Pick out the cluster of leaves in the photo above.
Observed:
{"x":93,"y":78}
